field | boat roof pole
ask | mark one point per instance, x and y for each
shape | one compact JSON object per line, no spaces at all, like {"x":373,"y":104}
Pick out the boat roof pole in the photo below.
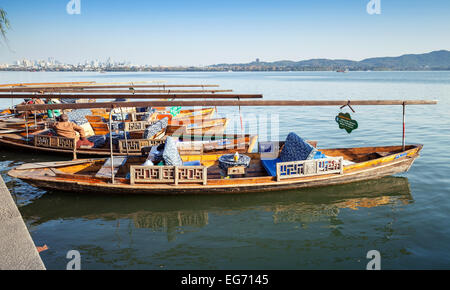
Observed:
{"x":111,"y":146}
{"x":35,"y":121}
{"x":404,"y":120}
{"x":26,"y":123}
{"x":124,"y":129}
{"x":225,"y":103}
{"x":240,"y":116}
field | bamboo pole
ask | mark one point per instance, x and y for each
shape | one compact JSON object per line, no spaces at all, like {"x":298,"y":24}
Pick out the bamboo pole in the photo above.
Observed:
{"x":119,"y":91}
{"x":131,"y":83}
{"x":95,"y":86}
{"x":45,"y":84}
{"x":225,"y":103}
{"x":137,"y":96}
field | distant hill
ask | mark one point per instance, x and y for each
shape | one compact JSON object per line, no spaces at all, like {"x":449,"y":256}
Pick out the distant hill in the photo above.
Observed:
{"x":436,"y":60}
{"x":433,"y":60}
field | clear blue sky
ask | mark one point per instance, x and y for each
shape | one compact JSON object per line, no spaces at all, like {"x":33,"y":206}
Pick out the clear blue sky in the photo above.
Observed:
{"x":197,"y":32}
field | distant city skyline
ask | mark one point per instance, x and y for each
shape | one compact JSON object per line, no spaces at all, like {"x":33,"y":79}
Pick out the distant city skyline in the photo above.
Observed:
{"x":435,"y":60}
{"x":200,"y":32}
{"x":48,"y":61}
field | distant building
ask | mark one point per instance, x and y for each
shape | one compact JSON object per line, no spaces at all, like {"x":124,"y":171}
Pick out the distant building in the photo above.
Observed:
{"x":257,"y":60}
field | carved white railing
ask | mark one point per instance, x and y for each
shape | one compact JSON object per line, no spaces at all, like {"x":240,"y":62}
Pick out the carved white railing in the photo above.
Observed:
{"x":309,"y":167}
{"x":135,"y":145}
{"x":54,"y":142}
{"x":168,"y":174}
{"x":136,"y":126}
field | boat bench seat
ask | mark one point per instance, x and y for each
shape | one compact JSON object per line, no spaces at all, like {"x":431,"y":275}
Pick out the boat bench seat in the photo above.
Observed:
{"x":270,"y":165}
{"x":105,"y":171}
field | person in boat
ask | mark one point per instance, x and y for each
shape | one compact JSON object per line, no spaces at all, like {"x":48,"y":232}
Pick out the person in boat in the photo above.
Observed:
{"x":65,"y":128}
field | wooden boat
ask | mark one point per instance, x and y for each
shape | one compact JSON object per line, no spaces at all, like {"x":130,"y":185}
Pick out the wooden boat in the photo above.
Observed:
{"x":101,"y":127}
{"x":193,"y":127}
{"x":190,"y":113}
{"x":100,"y":112}
{"x":98,"y":120}
{"x":162,"y":112}
{"x":53,"y":144}
{"x":6,"y":112}
{"x":363,"y":163}
{"x":19,"y":125}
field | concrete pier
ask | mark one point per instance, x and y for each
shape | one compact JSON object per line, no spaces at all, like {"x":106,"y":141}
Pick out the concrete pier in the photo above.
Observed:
{"x":17,"y":249}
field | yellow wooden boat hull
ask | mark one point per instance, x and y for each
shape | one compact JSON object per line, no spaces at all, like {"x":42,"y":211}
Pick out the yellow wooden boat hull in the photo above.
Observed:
{"x":370,"y":163}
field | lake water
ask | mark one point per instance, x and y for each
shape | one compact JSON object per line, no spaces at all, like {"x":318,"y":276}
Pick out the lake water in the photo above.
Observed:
{"x":405,"y":218}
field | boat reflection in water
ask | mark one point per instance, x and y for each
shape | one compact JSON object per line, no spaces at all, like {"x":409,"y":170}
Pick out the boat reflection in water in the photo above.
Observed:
{"x":183,"y":214}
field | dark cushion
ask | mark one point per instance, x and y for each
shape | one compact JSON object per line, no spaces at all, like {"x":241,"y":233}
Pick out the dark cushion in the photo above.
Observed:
{"x":171,"y":155}
{"x":154,"y":128}
{"x":296,"y":149}
{"x":98,"y":140}
{"x":116,"y":137}
{"x":118,"y":117}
